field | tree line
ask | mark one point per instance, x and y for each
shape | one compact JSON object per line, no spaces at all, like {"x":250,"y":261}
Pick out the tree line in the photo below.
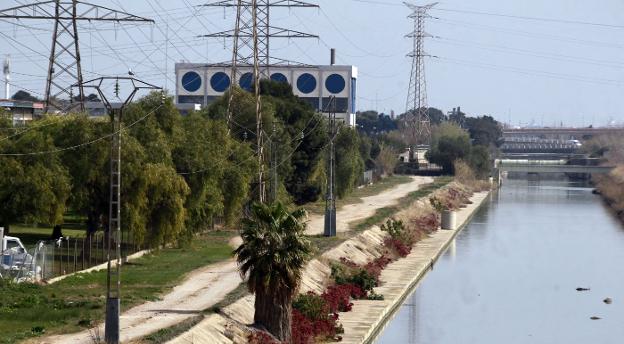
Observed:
{"x":179,"y":173}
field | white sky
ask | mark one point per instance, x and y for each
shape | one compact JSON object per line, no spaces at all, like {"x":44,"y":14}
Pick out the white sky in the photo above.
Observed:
{"x":526,"y":71}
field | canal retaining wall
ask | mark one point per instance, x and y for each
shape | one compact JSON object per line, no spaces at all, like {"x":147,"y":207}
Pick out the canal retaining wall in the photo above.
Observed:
{"x":399,"y":278}
{"x":227,"y":327}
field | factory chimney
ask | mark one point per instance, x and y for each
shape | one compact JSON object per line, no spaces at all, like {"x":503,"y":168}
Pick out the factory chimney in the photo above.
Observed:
{"x":333,"y":57}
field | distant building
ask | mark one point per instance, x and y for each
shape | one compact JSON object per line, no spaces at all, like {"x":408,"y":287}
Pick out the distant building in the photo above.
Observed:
{"x":203,"y":83}
{"x":21,"y":111}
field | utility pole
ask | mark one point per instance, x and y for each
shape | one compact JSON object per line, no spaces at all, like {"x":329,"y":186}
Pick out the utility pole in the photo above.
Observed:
{"x":330,"y":198}
{"x":65,"y":68}
{"x":113,"y":237}
{"x":418,"y":120}
{"x":274,"y":180}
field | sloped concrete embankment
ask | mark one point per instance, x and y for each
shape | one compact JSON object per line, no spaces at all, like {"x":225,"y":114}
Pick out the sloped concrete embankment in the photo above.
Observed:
{"x":368,"y":317}
{"x":361,"y":323}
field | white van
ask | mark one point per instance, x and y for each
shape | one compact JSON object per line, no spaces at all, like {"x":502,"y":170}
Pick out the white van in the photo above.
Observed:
{"x":14,"y":254}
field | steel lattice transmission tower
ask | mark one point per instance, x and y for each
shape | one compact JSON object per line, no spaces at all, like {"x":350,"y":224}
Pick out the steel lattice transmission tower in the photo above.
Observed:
{"x":416,"y":109}
{"x":252,"y":34}
{"x":65,"y":67}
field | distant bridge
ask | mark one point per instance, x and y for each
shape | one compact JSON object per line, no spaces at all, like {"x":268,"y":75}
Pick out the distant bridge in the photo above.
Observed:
{"x":561,"y":133}
{"x":548,"y":166}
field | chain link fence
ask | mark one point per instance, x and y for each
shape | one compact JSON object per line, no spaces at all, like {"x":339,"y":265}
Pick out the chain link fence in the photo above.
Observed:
{"x":54,"y":258}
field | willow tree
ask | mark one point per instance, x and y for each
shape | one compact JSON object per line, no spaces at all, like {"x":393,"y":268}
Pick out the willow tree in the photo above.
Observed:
{"x":273,"y":255}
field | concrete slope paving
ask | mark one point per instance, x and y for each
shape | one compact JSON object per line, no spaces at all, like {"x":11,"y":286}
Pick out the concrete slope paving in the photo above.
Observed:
{"x":204,"y":287}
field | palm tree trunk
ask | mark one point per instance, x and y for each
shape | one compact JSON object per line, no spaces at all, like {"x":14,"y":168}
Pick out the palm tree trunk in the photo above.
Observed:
{"x":274,"y":311}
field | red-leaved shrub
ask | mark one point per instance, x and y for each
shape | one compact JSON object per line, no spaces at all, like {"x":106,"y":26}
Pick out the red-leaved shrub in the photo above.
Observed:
{"x":398,"y":246}
{"x":261,"y":337}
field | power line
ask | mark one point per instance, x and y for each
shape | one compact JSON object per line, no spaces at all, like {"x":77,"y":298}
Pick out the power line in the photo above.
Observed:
{"x":530,"y":18}
{"x":88,"y":143}
{"x":516,"y":51}
{"x":532,"y":72}
{"x":530,"y":34}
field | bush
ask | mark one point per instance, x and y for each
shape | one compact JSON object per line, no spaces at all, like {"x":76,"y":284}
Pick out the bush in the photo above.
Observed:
{"x":394,"y":227}
{"x":316,"y":316}
{"x":398,"y":246}
{"x":349,"y":273}
{"x":312,"y":306}
{"x":261,"y":337}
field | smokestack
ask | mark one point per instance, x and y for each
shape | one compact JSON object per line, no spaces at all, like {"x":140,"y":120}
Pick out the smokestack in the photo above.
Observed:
{"x":7,"y":77}
{"x":333,"y":56}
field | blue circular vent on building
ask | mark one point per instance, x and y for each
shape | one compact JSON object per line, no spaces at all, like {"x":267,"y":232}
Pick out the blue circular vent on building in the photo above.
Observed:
{"x":191,"y":81}
{"x":220,"y":82}
{"x":335,"y":83}
{"x":279,"y":77}
{"x":306,"y":83}
{"x":246,"y":81}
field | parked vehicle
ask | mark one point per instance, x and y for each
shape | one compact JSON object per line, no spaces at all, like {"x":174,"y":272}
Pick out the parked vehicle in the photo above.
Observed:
{"x":14,"y":256}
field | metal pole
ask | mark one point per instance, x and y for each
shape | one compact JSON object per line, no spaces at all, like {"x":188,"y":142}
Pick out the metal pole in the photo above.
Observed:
{"x":330,"y":202}
{"x":111,"y":330}
{"x":274,"y":183}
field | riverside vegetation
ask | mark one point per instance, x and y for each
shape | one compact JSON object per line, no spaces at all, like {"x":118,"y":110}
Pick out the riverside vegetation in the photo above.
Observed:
{"x":184,"y":174}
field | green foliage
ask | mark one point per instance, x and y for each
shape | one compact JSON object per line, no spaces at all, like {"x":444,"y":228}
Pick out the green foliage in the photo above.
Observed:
{"x":349,"y":163}
{"x":449,"y":143}
{"x":312,"y":306}
{"x":274,"y":249}
{"x":372,"y":122}
{"x":358,"y":276}
{"x":485,"y":131}
{"x":394,"y":228}
{"x":33,"y":188}
{"x":480,"y":161}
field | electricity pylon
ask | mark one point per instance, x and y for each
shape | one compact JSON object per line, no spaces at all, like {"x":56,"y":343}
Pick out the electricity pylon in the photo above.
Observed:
{"x":65,"y":65}
{"x":113,"y":239}
{"x":251,"y":47}
{"x":266,"y":31}
{"x":416,"y":109}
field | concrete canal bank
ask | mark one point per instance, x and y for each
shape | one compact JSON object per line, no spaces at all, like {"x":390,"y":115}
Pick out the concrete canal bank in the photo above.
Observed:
{"x":400,"y":277}
{"x":229,"y":325}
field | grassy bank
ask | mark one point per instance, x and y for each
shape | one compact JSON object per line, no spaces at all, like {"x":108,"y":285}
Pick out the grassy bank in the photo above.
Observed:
{"x":386,"y":212}
{"x":78,"y":301}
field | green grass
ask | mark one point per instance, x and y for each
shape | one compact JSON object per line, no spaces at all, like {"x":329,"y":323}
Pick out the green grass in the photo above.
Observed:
{"x":166,"y":334}
{"x":78,"y":301}
{"x":356,"y":196}
{"x":31,"y":235}
{"x":384,"y":213}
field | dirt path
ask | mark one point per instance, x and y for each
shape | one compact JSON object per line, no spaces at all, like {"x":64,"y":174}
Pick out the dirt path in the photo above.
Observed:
{"x":205,"y":287}
{"x":366,"y":209}
{"x":201,"y":289}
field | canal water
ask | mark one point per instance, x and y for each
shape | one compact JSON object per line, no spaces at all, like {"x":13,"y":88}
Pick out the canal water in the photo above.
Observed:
{"x":511,"y":275}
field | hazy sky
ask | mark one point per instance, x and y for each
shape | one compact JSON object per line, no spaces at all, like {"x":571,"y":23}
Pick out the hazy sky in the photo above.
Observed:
{"x":514,"y":69}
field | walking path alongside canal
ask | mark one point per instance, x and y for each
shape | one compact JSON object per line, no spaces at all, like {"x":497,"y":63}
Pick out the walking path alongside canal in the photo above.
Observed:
{"x":399,"y":278}
{"x":207,"y":286}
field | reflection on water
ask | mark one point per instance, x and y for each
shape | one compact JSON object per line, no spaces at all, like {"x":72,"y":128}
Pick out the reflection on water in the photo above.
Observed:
{"x":511,"y":276}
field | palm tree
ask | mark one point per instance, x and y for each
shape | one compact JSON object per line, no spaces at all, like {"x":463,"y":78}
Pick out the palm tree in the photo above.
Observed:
{"x":273,"y":255}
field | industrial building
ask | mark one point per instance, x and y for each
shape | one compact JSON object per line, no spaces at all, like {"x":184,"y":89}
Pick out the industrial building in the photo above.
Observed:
{"x":200,"y":84}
